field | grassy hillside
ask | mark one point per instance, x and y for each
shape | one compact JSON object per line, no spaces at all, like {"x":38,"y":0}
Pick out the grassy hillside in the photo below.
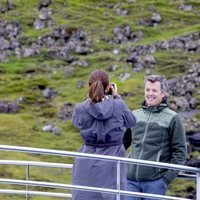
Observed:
{"x":22,"y":77}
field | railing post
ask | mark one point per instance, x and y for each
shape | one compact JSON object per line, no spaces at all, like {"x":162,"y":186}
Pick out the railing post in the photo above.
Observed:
{"x":198,"y":186}
{"x":27,"y":178}
{"x":118,"y":180}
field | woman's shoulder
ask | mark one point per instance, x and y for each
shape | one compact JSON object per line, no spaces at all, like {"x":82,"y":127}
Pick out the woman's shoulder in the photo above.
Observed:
{"x":78,"y":106}
{"x":119,"y":102}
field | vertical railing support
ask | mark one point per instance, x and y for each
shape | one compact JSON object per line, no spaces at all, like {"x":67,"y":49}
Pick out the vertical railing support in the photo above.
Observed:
{"x":118,"y":180}
{"x":27,"y":178}
{"x":198,"y":186}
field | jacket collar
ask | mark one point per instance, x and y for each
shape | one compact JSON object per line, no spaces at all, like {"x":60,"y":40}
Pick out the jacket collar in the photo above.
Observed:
{"x":158,"y":108}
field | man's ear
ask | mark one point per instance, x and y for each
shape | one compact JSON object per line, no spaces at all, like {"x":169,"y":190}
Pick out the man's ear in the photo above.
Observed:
{"x":164,"y":94}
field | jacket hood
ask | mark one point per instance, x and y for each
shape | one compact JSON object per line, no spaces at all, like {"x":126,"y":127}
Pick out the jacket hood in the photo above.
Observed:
{"x":101,"y":110}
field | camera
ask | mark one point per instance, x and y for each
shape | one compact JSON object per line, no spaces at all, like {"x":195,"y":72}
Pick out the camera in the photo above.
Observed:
{"x":110,"y":90}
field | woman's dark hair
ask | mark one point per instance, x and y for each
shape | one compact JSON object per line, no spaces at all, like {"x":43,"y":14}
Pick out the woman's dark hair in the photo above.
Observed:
{"x":98,"y":82}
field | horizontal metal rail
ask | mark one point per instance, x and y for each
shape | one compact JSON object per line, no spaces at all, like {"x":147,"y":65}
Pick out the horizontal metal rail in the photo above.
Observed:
{"x":66,"y":166}
{"x":35,"y":193}
{"x":36,"y":164}
{"x":100,"y":157}
{"x":85,"y":188}
{"x":187,"y":176}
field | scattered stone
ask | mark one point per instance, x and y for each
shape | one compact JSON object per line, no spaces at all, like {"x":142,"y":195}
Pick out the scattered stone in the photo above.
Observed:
{"x":156,"y":18}
{"x":20,"y":100}
{"x":69,"y":71}
{"x":191,"y":46}
{"x":124,"y":34}
{"x":185,"y":7}
{"x":44,"y":19}
{"x":80,"y":84}
{"x":4,"y":56}
{"x":45,"y":14}
{"x":27,"y":52}
{"x":124,"y":76}
{"x":131,"y":1}
{"x":64,"y":40}
{"x":181,"y":103}
{"x":81,"y":50}
{"x":55,"y":130}
{"x":5,"y":7}
{"x":47,"y":128}
{"x":44,"y":4}
{"x":51,"y":128}
{"x":116,"y":51}
{"x":48,"y":93}
{"x":66,"y":111}
{"x":112,"y":68}
{"x":194,"y":139}
{"x":10,"y":5}
{"x":149,"y":60}
{"x":120,"y":12}
{"x":39,"y":24}
{"x":8,"y":107}
{"x":82,"y":63}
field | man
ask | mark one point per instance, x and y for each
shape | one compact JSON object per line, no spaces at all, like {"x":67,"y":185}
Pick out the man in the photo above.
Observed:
{"x":158,"y":135}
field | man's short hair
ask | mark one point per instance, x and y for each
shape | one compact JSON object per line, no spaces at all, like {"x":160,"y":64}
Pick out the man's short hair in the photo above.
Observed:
{"x":158,"y":78}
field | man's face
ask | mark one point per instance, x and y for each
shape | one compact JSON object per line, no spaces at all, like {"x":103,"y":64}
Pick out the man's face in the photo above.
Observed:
{"x":153,"y":94}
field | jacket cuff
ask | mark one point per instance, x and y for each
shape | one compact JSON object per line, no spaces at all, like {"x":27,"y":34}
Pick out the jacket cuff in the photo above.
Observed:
{"x":170,"y":176}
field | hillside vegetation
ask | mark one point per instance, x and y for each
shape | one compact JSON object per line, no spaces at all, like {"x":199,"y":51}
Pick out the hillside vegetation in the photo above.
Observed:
{"x":32,"y":65}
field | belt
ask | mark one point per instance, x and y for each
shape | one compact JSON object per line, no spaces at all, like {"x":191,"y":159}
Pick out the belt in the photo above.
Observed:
{"x":103,"y":144}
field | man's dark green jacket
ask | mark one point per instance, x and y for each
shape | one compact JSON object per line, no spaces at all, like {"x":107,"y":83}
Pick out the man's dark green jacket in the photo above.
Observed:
{"x":159,"y":136}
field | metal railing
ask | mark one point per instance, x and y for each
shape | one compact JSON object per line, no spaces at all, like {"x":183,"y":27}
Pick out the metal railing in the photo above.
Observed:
{"x":118,"y":160}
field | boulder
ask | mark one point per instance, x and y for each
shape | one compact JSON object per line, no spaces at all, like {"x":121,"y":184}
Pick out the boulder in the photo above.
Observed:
{"x":194,"y":139}
{"x":8,"y":107}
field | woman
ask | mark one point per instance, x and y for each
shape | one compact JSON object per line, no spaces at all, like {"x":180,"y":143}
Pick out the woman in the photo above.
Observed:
{"x":101,"y":119}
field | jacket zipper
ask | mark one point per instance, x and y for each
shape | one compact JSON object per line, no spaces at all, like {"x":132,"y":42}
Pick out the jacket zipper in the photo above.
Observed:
{"x":158,"y":156}
{"x":142,"y":149}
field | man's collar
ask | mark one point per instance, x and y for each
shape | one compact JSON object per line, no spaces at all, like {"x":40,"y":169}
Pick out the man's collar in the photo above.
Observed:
{"x":156,"y":108}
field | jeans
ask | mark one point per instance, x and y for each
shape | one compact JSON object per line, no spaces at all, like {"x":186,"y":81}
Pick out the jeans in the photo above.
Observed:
{"x":153,"y":187}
